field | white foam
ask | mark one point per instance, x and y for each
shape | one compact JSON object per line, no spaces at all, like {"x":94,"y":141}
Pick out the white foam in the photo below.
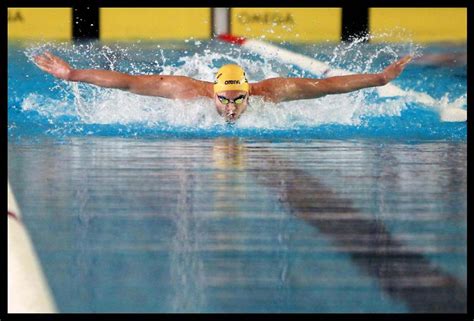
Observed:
{"x":95,"y":105}
{"x":118,"y":107}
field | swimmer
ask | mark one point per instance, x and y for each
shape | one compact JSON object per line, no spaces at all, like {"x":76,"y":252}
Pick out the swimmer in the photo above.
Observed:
{"x":230,"y":90}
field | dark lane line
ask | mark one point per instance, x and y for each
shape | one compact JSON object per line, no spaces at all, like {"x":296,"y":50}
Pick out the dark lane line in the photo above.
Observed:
{"x":402,"y":273}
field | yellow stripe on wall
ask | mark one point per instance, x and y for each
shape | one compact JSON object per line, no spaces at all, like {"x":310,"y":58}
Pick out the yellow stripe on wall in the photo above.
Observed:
{"x":40,"y":23}
{"x":287,"y":24}
{"x":418,"y":24}
{"x":155,"y":23}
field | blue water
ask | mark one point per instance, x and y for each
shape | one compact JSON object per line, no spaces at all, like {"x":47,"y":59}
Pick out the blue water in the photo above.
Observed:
{"x":91,"y":111}
{"x":348,"y":203}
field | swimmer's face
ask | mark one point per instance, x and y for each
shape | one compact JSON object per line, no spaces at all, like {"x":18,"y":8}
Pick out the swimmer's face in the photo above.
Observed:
{"x":231,"y":104}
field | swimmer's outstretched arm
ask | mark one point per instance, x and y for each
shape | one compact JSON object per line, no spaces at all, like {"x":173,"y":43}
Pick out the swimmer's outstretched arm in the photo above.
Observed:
{"x":286,"y":89}
{"x":175,"y":87}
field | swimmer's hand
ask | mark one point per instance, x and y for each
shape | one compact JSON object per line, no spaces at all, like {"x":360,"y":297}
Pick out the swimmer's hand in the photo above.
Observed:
{"x":54,"y":65}
{"x":395,"y":69}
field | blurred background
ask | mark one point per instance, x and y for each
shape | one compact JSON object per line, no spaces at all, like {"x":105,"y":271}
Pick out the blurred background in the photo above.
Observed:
{"x":301,"y":25}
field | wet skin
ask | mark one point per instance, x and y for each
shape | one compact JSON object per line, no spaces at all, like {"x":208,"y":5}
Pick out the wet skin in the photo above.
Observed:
{"x":231,"y":111}
{"x":275,"y":90}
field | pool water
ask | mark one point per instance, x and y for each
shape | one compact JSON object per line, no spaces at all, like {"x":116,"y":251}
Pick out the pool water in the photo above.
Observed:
{"x":348,"y":203}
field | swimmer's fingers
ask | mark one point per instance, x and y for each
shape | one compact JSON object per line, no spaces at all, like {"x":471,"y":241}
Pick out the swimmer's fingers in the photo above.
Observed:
{"x":48,"y":58}
{"x":53,"y":65}
{"x":396,"y":68}
{"x":49,"y":55}
{"x":44,"y":57}
{"x":405,"y":60}
{"x":400,"y":64}
{"x":45,"y":64}
{"x":53,"y":58}
{"x":42,"y":62}
{"x":44,"y":68}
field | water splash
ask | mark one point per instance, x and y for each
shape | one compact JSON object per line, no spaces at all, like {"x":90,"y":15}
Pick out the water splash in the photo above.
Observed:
{"x":75,"y":108}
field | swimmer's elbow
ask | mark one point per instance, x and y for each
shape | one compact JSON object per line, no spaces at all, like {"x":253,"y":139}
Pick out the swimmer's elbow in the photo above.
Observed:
{"x":139,"y":85}
{"x":382,"y":79}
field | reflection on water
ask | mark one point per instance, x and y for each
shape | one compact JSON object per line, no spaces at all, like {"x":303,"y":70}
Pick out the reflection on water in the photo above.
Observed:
{"x":402,"y":272}
{"x":234,"y":225}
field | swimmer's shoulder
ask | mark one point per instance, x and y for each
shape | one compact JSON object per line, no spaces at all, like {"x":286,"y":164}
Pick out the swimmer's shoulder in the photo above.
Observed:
{"x":206,"y":89}
{"x":263,"y":90}
{"x":258,"y":89}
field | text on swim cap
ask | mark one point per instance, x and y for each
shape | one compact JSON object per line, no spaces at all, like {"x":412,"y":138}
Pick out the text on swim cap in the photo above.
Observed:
{"x":232,"y":82}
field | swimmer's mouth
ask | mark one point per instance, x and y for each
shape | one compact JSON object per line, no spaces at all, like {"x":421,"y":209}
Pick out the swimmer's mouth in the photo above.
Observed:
{"x":231,"y":117}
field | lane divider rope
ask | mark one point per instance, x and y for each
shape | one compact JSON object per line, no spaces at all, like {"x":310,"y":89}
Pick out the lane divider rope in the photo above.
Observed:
{"x":448,"y":112}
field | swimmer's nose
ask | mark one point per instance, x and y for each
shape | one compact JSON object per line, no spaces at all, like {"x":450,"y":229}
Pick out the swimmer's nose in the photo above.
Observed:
{"x":231,"y":106}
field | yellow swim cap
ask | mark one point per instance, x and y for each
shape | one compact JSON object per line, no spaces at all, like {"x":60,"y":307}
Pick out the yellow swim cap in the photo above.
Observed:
{"x":230,"y":77}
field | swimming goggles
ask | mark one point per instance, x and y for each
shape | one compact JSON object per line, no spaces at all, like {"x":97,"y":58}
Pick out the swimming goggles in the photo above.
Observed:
{"x":225,"y":101}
